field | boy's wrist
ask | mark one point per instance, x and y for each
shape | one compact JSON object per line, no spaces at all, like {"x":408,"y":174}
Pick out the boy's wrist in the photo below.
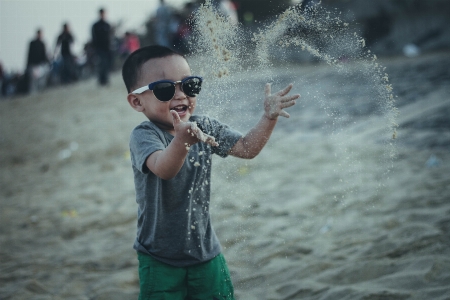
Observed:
{"x":270,"y":118}
{"x":180,"y":144}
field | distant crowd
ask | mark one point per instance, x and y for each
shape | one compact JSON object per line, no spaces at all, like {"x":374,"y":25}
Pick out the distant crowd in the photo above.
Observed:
{"x":105,"y":52}
{"x":61,"y":65}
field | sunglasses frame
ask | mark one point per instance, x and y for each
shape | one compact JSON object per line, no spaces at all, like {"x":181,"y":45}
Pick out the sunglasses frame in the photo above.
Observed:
{"x":174,"y":83}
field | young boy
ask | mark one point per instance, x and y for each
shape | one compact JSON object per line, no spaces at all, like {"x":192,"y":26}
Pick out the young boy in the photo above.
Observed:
{"x":179,"y":253}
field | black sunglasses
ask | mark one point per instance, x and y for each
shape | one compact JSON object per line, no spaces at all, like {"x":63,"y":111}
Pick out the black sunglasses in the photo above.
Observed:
{"x":164,"y":90}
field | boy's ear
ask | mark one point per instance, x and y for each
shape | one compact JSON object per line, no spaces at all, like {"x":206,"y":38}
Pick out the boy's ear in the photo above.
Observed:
{"x":135,"y":103}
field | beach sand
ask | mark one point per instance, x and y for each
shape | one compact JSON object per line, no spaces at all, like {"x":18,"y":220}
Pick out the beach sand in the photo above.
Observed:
{"x":321,"y":213}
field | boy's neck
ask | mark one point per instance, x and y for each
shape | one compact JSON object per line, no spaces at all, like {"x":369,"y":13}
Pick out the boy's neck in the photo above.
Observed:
{"x":171,"y":131}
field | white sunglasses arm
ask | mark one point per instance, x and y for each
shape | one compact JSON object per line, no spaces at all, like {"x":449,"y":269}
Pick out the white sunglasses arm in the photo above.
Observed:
{"x":140,"y":90}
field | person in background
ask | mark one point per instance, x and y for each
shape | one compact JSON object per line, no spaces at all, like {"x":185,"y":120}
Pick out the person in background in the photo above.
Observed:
{"x":184,"y":30}
{"x":162,"y":25}
{"x":36,"y":52}
{"x":101,"y":42}
{"x":38,"y":64}
{"x":228,"y":8}
{"x":2,"y":79}
{"x":63,"y":44}
{"x":130,"y":44}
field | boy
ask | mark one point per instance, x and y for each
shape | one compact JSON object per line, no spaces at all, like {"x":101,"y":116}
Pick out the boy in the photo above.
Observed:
{"x":178,"y":251}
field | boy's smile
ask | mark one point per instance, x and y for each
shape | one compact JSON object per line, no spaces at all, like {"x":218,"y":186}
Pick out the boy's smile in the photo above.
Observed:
{"x":173,"y":68}
{"x":180,"y":109}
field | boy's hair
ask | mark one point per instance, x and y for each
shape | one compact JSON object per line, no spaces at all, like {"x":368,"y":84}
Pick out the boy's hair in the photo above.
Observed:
{"x":131,"y":70}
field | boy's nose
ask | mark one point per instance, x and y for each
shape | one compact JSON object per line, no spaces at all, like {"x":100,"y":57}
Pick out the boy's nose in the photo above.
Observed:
{"x":179,"y":94}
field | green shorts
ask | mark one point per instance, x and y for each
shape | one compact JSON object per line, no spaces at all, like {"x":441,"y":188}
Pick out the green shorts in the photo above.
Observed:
{"x":210,"y":280}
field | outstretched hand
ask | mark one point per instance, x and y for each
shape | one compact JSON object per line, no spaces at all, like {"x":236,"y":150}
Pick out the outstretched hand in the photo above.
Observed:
{"x":275,"y":104}
{"x":190,"y":133}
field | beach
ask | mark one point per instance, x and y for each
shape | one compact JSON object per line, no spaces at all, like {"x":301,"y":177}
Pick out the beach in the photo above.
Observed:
{"x":332,"y":208}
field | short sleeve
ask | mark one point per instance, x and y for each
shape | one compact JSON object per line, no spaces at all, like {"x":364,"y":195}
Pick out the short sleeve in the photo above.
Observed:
{"x":225,"y":136}
{"x":144,"y":141}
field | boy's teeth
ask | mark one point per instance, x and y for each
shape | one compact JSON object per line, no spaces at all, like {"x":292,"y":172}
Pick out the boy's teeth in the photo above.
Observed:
{"x":179,"y":108}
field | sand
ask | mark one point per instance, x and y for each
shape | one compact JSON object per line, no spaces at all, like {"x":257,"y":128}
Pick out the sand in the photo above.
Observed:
{"x":321,"y":213}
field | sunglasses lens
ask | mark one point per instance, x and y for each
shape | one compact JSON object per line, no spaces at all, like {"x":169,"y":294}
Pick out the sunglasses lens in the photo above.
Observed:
{"x":192,"y":86}
{"x":164,"y":91}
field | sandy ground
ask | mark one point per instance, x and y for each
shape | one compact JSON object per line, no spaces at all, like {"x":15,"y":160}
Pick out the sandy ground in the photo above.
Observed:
{"x":322,"y":213}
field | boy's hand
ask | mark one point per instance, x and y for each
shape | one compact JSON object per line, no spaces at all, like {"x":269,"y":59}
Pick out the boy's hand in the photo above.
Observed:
{"x":205,"y":138}
{"x":189,"y":132}
{"x":274,"y":104}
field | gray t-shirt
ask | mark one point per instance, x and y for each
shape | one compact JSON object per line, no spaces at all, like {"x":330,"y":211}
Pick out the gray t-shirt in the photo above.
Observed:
{"x":174,"y":224}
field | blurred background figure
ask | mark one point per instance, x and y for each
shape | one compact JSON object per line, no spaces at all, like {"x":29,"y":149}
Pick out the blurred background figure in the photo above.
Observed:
{"x":183,"y":20}
{"x":87,"y":60}
{"x":163,"y":20}
{"x":101,"y":42}
{"x":229,"y":9}
{"x":38,"y":65}
{"x":63,"y":54}
{"x":8,"y":82}
{"x":130,"y":44}
{"x":308,"y":4}
{"x":2,"y":77}
{"x":3,"y":81}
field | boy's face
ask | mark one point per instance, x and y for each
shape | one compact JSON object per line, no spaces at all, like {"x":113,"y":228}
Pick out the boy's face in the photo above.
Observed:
{"x":174,"y":68}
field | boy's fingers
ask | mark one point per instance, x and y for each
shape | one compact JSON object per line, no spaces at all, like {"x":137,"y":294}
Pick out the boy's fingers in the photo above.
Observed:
{"x":290,"y":98}
{"x":288,"y":104}
{"x":284,"y":114}
{"x":195,"y":128}
{"x":208,"y":139}
{"x":175,"y":117}
{"x":285,"y":90}
{"x":268,"y":89}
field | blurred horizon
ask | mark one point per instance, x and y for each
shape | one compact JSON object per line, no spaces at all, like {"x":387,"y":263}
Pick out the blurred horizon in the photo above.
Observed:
{"x":19,"y":20}
{"x":398,"y":27}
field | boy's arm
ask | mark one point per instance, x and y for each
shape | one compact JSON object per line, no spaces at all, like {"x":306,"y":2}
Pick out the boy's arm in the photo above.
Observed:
{"x":167,"y":163}
{"x":252,"y":143}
